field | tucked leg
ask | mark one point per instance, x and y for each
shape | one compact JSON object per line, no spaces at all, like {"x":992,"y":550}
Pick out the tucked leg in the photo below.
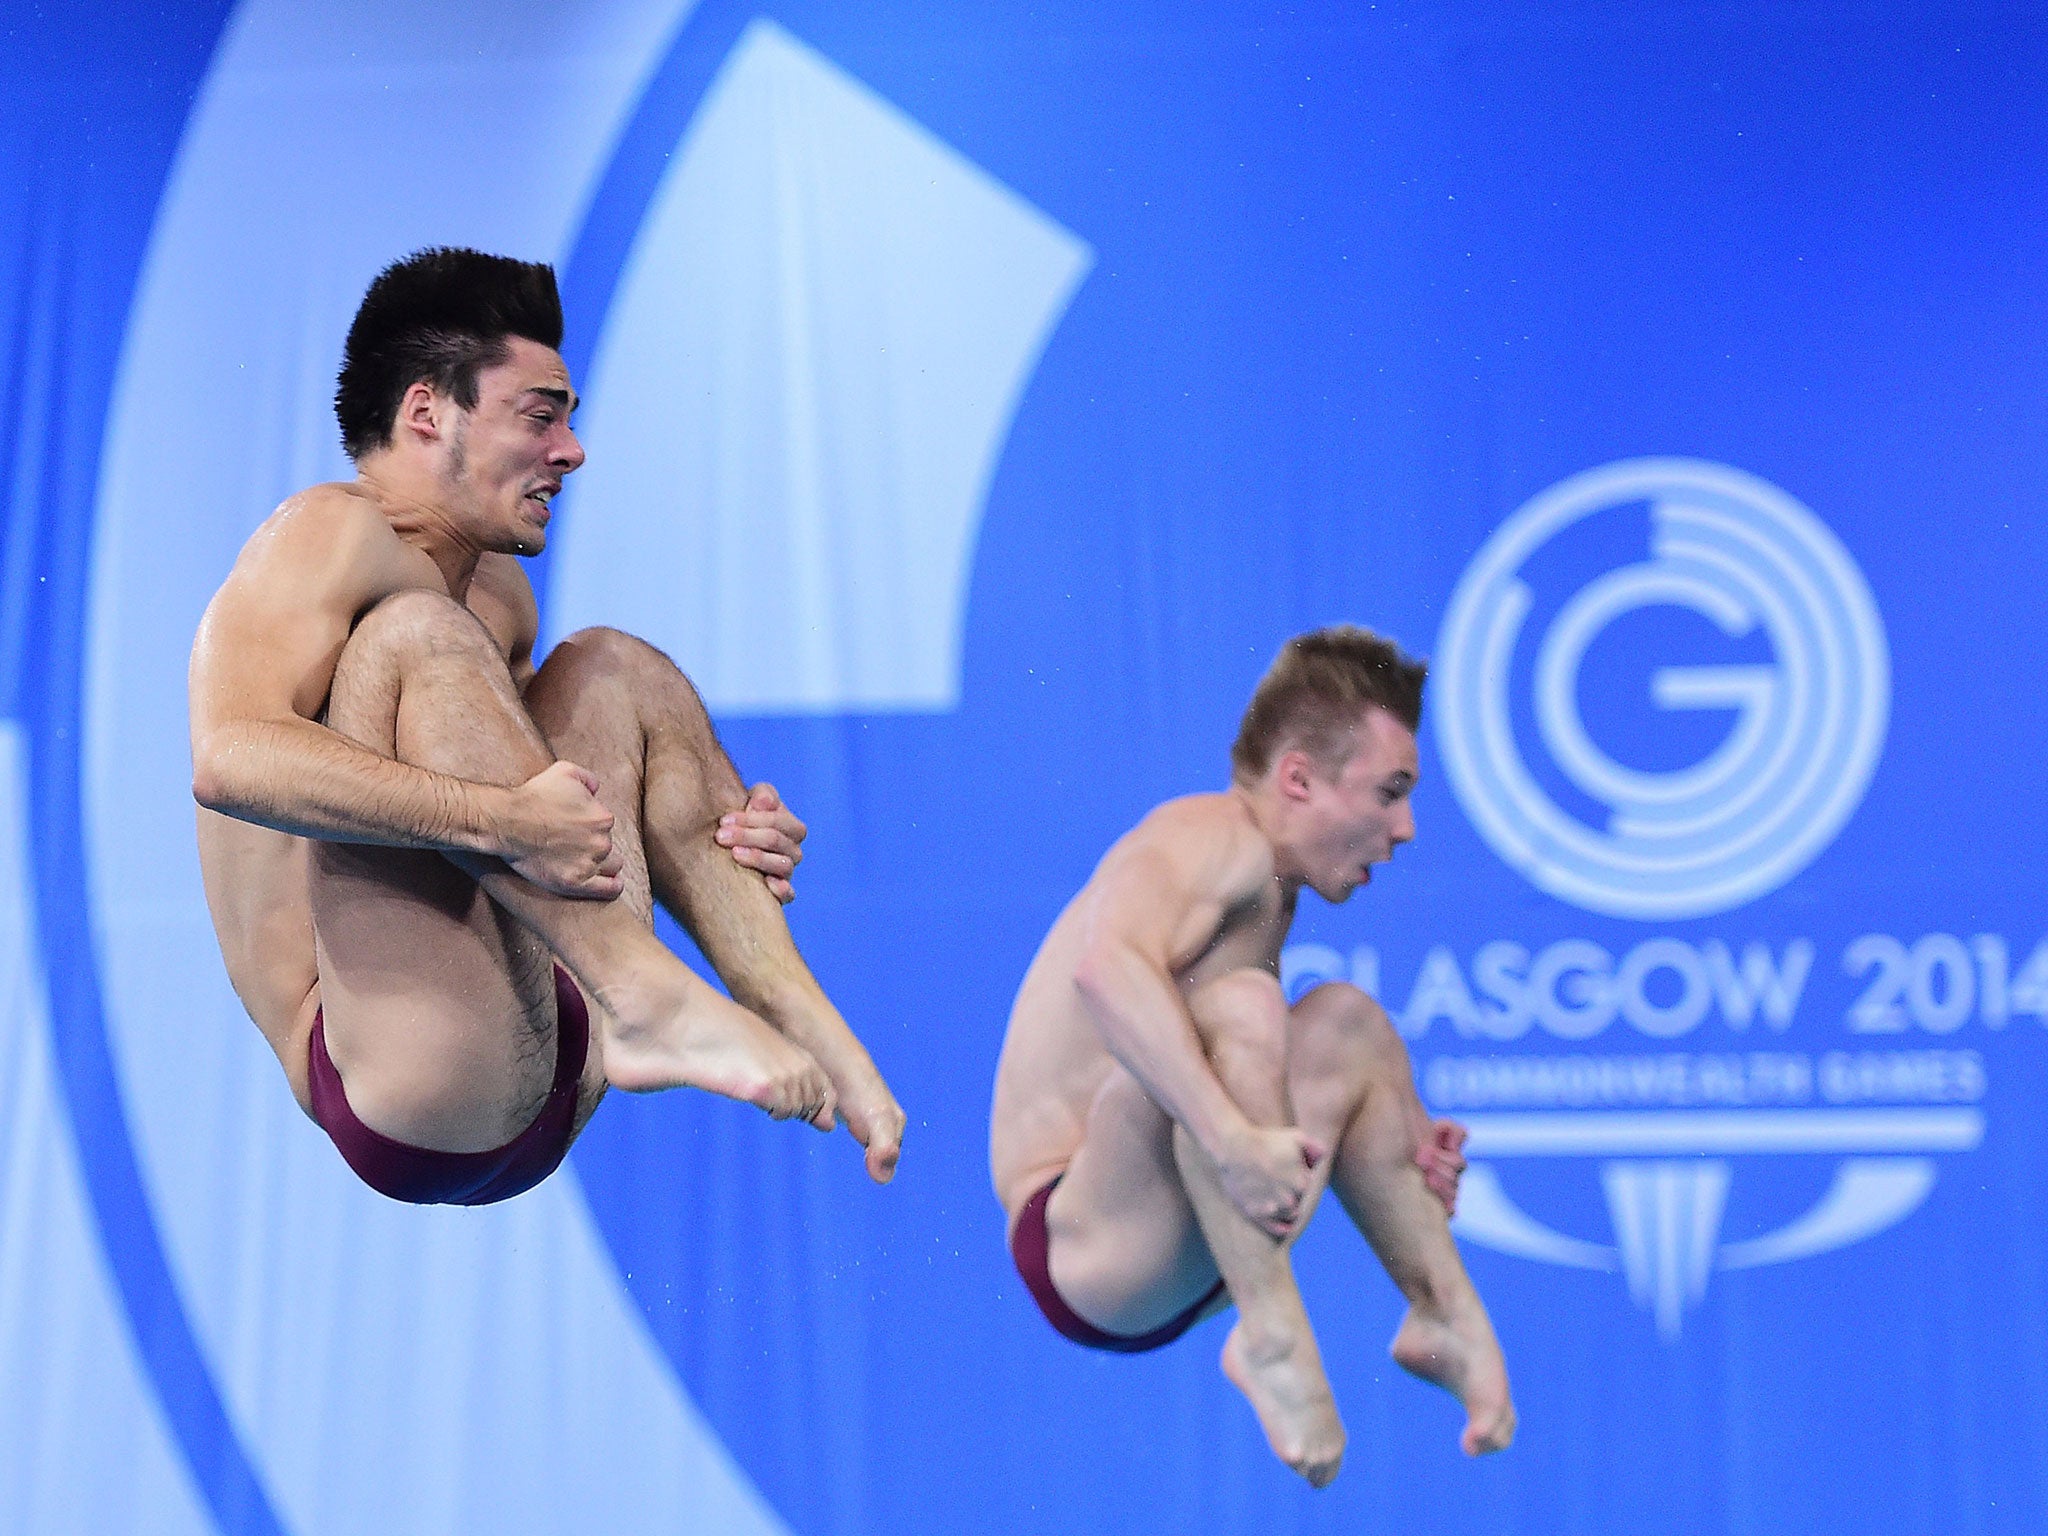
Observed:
{"x":420,"y":971}
{"x":1140,"y":1226}
{"x":1271,"y":1354}
{"x":619,"y":707}
{"x":1342,"y":1036}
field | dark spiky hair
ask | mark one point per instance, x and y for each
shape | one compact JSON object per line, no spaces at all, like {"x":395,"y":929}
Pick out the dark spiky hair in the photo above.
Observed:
{"x":1315,"y":691}
{"x":440,"y":316}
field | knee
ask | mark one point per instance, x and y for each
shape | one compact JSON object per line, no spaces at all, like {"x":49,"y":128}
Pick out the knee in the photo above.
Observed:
{"x":603,"y":652}
{"x":602,"y":660}
{"x":1242,"y":1011}
{"x":1339,"y":1019}
{"x":418,"y":621}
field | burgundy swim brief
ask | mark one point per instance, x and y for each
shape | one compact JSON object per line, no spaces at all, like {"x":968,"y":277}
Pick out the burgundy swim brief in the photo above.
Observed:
{"x":1030,"y":1246}
{"x":425,"y":1177}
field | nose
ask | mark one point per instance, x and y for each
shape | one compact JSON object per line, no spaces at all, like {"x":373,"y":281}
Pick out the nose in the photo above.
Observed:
{"x":1404,"y":823}
{"x":568,"y":454}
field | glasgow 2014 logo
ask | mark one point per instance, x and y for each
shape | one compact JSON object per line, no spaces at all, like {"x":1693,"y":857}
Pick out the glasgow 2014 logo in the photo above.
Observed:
{"x":1810,"y":725}
{"x":1667,"y":1128}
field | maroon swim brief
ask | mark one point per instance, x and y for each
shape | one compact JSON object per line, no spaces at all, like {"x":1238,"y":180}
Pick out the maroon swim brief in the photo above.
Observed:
{"x":1031,"y":1248}
{"x":425,"y":1177}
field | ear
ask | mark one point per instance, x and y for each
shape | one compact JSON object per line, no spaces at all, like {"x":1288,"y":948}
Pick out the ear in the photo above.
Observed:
{"x":422,"y":412}
{"x":1294,"y":774}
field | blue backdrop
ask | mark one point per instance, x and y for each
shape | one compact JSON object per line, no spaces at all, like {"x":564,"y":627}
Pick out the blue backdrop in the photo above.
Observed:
{"x":978,"y":394}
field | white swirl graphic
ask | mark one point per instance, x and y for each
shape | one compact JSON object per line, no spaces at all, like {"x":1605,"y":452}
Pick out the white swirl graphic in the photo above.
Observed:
{"x":1809,"y":726}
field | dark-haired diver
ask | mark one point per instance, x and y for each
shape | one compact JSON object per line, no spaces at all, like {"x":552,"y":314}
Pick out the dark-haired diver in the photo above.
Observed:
{"x":1165,"y":1123}
{"x":432,"y":866}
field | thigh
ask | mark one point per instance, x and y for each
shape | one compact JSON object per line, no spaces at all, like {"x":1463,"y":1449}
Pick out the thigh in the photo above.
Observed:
{"x":438,"y":1011}
{"x":1125,"y":1250}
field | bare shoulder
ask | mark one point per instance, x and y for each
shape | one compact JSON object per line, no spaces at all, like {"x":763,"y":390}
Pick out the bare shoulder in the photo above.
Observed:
{"x":317,"y":526}
{"x":1168,"y":884}
{"x":1207,"y":842}
{"x":324,"y":556}
{"x":267,"y":643}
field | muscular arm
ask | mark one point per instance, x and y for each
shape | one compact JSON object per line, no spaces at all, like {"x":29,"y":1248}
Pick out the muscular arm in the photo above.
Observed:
{"x":261,"y":666}
{"x":1158,"y":899}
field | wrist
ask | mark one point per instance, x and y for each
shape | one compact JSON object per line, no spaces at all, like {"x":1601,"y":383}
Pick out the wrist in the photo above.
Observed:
{"x":1228,"y":1141}
{"x":489,"y":820}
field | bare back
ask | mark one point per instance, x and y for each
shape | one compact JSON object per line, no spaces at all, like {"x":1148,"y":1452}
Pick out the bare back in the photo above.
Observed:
{"x":1190,"y":892}
{"x":265,"y":657}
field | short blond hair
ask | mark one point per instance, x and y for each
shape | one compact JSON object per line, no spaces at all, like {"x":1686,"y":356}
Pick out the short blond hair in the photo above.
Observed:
{"x":1315,"y":691}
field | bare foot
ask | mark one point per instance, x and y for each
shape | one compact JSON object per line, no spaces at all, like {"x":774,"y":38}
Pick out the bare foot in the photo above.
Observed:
{"x":876,"y":1121}
{"x":1458,"y":1352}
{"x":656,"y":1037}
{"x":869,"y":1109}
{"x":1284,"y":1382}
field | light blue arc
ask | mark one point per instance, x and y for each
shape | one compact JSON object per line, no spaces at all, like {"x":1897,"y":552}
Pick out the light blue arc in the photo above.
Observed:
{"x":489,"y":1364}
{"x":83,"y":1445}
{"x":806,"y":377}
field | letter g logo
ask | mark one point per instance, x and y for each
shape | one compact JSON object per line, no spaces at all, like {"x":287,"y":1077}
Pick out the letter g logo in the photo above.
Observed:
{"x":1809,"y":725}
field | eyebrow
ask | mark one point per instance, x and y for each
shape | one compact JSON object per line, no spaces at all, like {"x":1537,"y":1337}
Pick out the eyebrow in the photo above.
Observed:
{"x":565,"y":398}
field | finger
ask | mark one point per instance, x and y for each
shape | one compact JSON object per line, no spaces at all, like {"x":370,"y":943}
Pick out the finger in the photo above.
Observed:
{"x":884,"y":1148}
{"x":581,"y":886}
{"x":765,"y":808}
{"x":1312,"y":1152}
{"x":582,"y":776}
{"x":745,"y":835}
{"x":779,"y":836}
{"x":769,"y":865}
{"x":826,"y":1116}
{"x":781,"y":889}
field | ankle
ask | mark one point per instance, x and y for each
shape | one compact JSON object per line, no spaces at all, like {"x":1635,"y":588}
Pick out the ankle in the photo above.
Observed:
{"x":635,"y":998}
{"x":1435,"y":1297}
{"x":1267,"y":1340}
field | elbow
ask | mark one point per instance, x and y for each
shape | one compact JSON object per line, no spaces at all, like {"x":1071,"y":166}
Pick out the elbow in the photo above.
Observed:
{"x":1094,"y":977}
{"x":211,"y":785}
{"x":206,"y":786}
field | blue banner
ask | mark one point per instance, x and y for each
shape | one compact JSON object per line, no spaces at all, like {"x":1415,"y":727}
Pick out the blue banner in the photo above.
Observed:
{"x":976,"y":397}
